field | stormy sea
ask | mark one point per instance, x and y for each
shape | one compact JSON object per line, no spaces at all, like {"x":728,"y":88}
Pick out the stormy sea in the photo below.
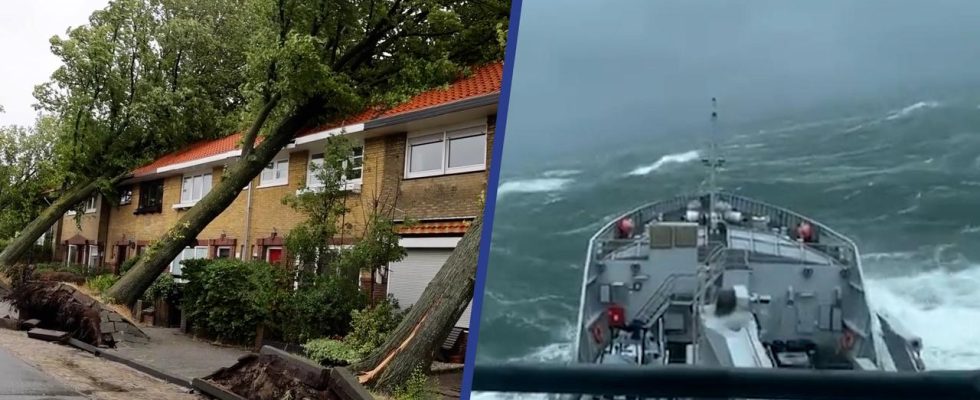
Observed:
{"x":901,"y":178}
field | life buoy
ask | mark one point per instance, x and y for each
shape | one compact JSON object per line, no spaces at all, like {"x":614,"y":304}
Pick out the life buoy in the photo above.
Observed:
{"x":597,"y":333}
{"x":847,"y":340}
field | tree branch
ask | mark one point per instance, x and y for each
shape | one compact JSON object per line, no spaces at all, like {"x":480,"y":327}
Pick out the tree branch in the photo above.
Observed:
{"x":248,"y":141}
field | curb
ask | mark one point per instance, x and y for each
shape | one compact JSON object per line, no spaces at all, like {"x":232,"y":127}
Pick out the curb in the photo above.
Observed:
{"x":215,"y":391}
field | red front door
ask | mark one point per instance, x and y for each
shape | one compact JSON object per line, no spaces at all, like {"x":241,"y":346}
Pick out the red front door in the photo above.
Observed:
{"x":273,"y":255}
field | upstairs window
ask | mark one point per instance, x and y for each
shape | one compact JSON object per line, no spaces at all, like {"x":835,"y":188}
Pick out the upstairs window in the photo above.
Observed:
{"x":276,"y":173}
{"x":151,"y":197}
{"x":88,"y":206}
{"x":194,"y":187}
{"x":126,"y":195}
{"x":354,"y":173}
{"x":91,"y":204}
{"x":446,"y":152}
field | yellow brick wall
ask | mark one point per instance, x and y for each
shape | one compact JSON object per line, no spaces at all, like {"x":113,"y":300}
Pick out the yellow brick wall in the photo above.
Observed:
{"x":450,"y":196}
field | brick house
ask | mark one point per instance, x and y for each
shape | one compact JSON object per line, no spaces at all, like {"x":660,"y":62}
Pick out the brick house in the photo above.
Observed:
{"x":425,"y":159}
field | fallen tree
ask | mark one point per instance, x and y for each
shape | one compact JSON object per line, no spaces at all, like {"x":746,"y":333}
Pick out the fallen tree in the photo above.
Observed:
{"x":312,"y":63}
{"x":428,"y":323}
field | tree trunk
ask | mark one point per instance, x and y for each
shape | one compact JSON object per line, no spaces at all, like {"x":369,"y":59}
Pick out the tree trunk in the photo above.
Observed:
{"x":183,"y":233}
{"x":23,"y":242}
{"x":415,"y":341}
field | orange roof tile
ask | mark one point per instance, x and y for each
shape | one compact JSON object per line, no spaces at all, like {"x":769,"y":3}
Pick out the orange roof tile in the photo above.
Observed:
{"x":483,"y":81}
{"x":440,"y":227}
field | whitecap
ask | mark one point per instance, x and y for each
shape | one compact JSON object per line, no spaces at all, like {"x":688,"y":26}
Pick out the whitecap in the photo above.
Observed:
{"x":684,"y":157}
{"x":912,"y":108}
{"x":535,"y":185}
{"x":941,"y":307}
{"x":561,"y":173}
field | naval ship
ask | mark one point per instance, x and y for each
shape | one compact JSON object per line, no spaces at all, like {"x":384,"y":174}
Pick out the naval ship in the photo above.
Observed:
{"x":716,"y":295}
{"x":716,"y":279}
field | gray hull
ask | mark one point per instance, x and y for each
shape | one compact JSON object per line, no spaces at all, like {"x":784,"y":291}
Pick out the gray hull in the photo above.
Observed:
{"x":735,"y":286}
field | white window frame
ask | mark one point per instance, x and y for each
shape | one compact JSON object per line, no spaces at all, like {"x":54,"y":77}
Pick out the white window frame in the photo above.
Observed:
{"x":207,"y":183}
{"x":94,"y":201}
{"x":175,"y":264}
{"x":72,"y":254}
{"x":447,"y":133}
{"x":349,"y":184}
{"x":284,"y":180}
{"x":92,"y":260}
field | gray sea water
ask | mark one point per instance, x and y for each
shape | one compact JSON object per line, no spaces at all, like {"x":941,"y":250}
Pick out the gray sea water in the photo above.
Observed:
{"x":900,"y":176}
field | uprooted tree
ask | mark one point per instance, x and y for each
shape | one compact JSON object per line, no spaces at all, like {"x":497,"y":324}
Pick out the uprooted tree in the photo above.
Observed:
{"x":428,"y":323}
{"x":143,"y":78}
{"x":312,"y":62}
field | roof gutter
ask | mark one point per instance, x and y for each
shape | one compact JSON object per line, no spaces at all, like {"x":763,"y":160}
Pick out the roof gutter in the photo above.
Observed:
{"x":435,"y":111}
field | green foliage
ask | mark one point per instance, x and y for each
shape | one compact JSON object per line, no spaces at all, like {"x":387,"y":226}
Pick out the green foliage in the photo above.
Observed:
{"x":371,"y":326}
{"x":377,"y":248}
{"x":321,"y":307}
{"x":27,"y":172}
{"x":324,"y":206}
{"x":142,"y":78}
{"x":228,"y":299}
{"x":127,"y":265}
{"x":165,"y":288}
{"x":417,"y":387}
{"x":331,"y":352}
{"x":101,"y":283}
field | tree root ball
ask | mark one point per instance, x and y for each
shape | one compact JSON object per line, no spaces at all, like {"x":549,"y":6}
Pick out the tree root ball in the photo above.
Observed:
{"x":57,"y":308}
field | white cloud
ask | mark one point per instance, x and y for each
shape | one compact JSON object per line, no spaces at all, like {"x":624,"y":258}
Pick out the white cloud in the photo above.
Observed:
{"x":25,"y":54}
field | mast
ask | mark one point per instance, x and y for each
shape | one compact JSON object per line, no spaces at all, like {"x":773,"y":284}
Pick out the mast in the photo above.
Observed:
{"x":714,"y":162}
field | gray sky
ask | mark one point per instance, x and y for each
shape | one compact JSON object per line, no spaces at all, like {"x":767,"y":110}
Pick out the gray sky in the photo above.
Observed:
{"x":591,"y":72}
{"x":25,"y":27}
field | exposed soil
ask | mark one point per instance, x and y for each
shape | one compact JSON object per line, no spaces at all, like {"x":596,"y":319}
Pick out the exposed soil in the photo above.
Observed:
{"x":267,"y":377}
{"x":57,"y":308}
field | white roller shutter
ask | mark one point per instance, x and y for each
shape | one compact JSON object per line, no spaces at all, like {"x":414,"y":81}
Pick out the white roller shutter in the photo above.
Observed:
{"x":408,"y":278}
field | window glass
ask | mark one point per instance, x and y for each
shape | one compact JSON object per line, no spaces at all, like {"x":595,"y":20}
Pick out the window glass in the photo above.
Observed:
{"x":426,"y":157}
{"x":275,"y":173}
{"x":356,"y":163}
{"x":313,"y":175}
{"x":467,"y":151}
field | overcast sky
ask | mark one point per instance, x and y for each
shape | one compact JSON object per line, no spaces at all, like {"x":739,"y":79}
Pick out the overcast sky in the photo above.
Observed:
{"x":25,"y":27}
{"x":589,"y":72}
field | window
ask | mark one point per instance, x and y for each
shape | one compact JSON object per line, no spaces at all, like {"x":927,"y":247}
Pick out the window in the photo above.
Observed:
{"x":193,"y":188}
{"x":151,"y":197}
{"x":126,"y":195}
{"x":72,"y":255}
{"x":91,"y":203}
{"x":447,"y":152}
{"x":189,"y":253}
{"x":93,"y":256}
{"x":356,"y":163}
{"x":223,"y":252}
{"x":276,"y":173}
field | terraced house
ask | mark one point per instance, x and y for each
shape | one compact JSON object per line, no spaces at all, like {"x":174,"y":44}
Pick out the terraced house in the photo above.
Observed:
{"x":427,"y":157}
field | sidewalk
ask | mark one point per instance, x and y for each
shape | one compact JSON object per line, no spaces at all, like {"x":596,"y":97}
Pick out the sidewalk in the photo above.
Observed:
{"x":92,"y":377}
{"x":179,"y":354}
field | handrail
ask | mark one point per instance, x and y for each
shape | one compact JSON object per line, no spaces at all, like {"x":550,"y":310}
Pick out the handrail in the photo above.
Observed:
{"x":661,"y":293}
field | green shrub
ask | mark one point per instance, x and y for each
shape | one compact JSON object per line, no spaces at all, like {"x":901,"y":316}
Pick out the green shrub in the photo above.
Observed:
{"x":101,"y":283}
{"x":330,"y":352}
{"x":370,"y":327}
{"x":416,"y":388}
{"x":127,"y":265}
{"x":164,"y":287}
{"x":320,"y":308}
{"x":228,"y":299}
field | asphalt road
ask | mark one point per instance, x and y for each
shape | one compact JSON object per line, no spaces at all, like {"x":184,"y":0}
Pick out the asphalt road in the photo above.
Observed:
{"x":18,"y":380}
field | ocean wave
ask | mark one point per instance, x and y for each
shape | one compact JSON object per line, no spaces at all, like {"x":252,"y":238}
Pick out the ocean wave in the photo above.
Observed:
{"x":561,"y":173}
{"x":535,"y":185}
{"x":910,"y":109}
{"x":970,"y":229}
{"x":938,"y":298}
{"x":675,"y":158}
